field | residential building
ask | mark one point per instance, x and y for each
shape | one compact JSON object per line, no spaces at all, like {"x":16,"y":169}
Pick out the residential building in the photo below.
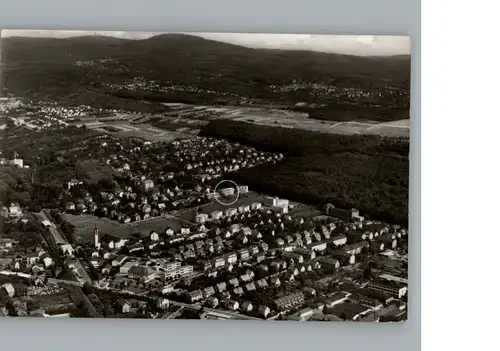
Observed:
{"x":9,"y":288}
{"x":255,"y":206}
{"x":244,"y":208}
{"x":293,"y":256}
{"x":124,"y":306}
{"x":208,"y":291}
{"x":231,"y":304}
{"x":234,"y":282}
{"x":18,"y":162}
{"x":243,"y":254}
{"x":142,"y":273}
{"x":350,"y":311}
{"x":318,"y":246}
{"x":212,"y":302}
{"x":336,"y":298}
{"x":264,"y":311}
{"x":119,"y":260}
{"x":201,"y":218}
{"x":219,"y":262}
{"x":220,"y":287}
{"x":167,"y":289}
{"x":307,"y":253}
{"x":356,"y":248}
{"x":329,"y":262}
{"x":270,"y":201}
{"x":243,"y":189}
{"x":195,"y":295}
{"x":246,"y":306}
{"x":302,"y":315}
{"x":148,"y":184}
{"x":163,"y":303}
{"x":216,"y":215}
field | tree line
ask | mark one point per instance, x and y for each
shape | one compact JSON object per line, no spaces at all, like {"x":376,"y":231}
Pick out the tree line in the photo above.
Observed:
{"x":367,"y":172}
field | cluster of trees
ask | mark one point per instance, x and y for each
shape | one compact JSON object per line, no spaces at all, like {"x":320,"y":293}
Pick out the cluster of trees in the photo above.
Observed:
{"x":352,"y":111}
{"x":27,"y":234}
{"x":67,"y":228}
{"x":366,"y":172}
{"x":53,"y":159}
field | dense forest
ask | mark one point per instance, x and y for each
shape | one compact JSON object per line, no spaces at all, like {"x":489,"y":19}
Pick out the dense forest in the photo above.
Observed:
{"x":366,"y":172}
{"x":382,"y":111}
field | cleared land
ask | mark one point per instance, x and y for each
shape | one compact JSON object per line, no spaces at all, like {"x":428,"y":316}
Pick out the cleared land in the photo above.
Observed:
{"x":126,"y":130}
{"x":84,"y":226}
{"x":289,"y":119}
{"x":184,"y":121}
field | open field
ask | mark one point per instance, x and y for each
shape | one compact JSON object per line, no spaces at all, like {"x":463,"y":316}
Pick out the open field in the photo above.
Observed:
{"x":126,"y":130}
{"x":184,"y":121}
{"x":84,"y":226}
{"x":290,"y":119}
{"x":54,"y":300}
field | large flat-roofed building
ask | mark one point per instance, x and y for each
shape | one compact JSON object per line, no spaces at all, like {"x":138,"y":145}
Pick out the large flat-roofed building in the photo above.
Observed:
{"x":346,"y":215}
{"x":256,"y":206}
{"x":178,"y":272}
{"x":230,"y":212}
{"x":392,"y":288}
{"x":227,"y":191}
{"x":289,"y":300}
{"x":243,"y":189}
{"x":349,"y":311}
{"x":216,"y":215}
{"x":270,"y":201}
{"x":201,"y":218}
{"x":127,"y":266}
{"x":338,"y":240}
{"x":393,"y":278}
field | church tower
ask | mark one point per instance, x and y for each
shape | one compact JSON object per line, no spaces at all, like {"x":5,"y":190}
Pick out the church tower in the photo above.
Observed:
{"x":96,"y":237}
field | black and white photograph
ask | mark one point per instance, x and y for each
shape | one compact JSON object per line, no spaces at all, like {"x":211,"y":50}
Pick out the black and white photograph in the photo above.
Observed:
{"x":224,"y":176}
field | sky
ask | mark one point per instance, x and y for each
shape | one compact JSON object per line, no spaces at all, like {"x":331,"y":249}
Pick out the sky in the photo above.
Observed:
{"x":361,"y":45}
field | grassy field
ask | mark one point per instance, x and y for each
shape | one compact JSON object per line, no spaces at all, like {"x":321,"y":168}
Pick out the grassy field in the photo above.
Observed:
{"x":144,"y":131}
{"x":84,"y":226}
{"x":293,"y":119}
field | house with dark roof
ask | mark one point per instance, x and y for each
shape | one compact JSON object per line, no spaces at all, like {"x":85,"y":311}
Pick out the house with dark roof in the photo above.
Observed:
{"x":231,"y":304}
{"x":195,"y":295}
{"x":246,"y":306}
{"x":142,"y":273}
{"x":212,"y":302}
{"x":208,"y":291}
{"x":263,"y":311}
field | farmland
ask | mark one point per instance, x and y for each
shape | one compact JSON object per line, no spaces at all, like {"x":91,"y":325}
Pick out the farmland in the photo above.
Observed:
{"x":288,"y":119}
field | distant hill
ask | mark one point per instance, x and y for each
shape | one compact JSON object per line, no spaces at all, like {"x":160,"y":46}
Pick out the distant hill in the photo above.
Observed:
{"x":45,"y":67}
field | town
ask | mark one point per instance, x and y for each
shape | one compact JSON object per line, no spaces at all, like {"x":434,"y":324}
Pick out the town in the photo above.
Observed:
{"x":161,"y":239}
{"x":180,"y":177}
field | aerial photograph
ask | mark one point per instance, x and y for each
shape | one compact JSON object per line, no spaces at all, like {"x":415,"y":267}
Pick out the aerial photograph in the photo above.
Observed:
{"x":218,"y":176}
